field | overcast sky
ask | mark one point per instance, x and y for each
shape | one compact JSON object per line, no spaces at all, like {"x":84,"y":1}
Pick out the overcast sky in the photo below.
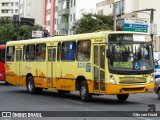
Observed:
{"x":90,"y":4}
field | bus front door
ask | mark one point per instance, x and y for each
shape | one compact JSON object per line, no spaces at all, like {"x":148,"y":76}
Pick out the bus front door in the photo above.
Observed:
{"x":99,"y":67}
{"x":51,"y":71}
{"x":18,"y":66}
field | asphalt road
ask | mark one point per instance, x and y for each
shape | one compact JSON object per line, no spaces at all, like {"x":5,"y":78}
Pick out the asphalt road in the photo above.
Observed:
{"x":16,"y":98}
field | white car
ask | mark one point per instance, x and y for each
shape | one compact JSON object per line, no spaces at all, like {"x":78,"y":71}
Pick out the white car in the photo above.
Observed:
{"x":157,"y":87}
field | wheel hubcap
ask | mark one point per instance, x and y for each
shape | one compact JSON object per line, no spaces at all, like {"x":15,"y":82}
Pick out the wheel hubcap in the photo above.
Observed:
{"x":30,"y":86}
{"x":83,"y":91}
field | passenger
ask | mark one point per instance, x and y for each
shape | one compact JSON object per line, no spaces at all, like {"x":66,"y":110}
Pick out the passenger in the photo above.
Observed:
{"x":39,"y":57}
{"x":156,"y":63}
{"x":80,"y":56}
{"x":86,"y":56}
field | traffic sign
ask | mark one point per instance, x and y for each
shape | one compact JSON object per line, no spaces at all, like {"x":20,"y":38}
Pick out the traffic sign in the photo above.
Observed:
{"x":136,"y":24}
{"x":142,"y":21}
{"x":37,"y":34}
{"x":136,"y":27}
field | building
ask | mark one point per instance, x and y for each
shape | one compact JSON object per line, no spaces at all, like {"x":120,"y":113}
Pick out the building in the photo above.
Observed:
{"x":48,"y":15}
{"x":31,"y":9}
{"x":26,"y":9}
{"x":125,"y":8}
{"x":59,"y":15}
{"x":8,"y":8}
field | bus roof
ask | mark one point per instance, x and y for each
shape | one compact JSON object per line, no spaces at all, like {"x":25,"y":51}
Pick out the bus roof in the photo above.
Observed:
{"x":94,"y":35}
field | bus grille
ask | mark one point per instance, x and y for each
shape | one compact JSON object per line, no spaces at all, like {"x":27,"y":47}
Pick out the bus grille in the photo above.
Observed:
{"x":133,"y":89}
{"x":132,"y":80}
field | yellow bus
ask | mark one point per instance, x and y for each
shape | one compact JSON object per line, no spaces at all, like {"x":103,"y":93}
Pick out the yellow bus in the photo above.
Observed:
{"x":106,"y":62}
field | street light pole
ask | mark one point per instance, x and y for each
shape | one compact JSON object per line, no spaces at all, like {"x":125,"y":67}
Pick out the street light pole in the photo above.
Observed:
{"x":93,"y":17}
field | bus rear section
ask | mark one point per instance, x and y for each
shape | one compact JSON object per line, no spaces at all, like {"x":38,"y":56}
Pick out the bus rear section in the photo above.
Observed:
{"x":2,"y":62}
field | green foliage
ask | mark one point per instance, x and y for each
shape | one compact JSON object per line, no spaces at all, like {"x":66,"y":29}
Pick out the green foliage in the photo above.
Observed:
{"x":9,"y":33}
{"x":87,"y":24}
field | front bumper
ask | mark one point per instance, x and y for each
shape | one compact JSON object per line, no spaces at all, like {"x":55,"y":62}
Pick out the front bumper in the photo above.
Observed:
{"x":128,"y":89}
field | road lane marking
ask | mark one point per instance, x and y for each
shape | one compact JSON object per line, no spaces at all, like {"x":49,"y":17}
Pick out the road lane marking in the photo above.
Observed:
{"x":143,"y":100}
{"x":144,"y":118}
{"x":75,"y":101}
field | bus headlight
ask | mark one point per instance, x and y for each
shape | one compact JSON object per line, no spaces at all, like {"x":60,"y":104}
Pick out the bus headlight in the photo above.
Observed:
{"x":112,"y":80}
{"x":152,"y":78}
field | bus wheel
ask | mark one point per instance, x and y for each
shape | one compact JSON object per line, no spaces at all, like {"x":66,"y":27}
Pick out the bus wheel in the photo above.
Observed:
{"x":159,"y":93}
{"x":122,"y":97}
{"x":30,"y":86}
{"x":63,"y":91}
{"x":84,"y":94}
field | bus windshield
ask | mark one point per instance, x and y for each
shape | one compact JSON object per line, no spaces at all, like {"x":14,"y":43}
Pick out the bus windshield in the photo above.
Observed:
{"x":131,"y":56}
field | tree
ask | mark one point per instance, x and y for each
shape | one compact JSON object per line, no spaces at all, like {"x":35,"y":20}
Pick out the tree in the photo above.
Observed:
{"x":87,"y":24}
{"x":9,"y":33}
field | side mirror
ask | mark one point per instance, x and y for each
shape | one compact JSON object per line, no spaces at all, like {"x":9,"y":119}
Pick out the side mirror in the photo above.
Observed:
{"x":108,"y":53}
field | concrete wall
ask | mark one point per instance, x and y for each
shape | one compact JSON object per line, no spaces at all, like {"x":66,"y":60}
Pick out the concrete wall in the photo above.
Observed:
{"x":36,"y":11}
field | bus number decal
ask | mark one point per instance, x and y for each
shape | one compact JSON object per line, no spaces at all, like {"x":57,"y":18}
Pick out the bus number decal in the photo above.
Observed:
{"x":123,"y":48}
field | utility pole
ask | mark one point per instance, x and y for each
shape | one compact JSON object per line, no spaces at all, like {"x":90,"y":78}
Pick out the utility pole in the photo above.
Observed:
{"x":114,"y":12}
{"x":151,"y":22}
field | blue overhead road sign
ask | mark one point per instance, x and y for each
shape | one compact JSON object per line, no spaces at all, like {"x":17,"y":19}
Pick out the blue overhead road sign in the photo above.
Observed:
{"x":135,"y":26}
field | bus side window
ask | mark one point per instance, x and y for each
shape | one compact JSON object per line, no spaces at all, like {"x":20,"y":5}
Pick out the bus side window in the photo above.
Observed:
{"x":64,"y":49}
{"x":3,"y":56}
{"x":68,"y":51}
{"x":83,"y":50}
{"x":59,"y":52}
{"x":40,"y":52}
{"x":0,"y":56}
{"x":30,"y":52}
{"x":10,"y":53}
{"x":24,"y":52}
{"x":71,"y":50}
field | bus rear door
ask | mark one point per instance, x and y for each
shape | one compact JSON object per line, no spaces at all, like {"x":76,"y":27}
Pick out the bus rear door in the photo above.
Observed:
{"x":99,"y":68}
{"x":51,"y":71}
{"x":18,"y":65}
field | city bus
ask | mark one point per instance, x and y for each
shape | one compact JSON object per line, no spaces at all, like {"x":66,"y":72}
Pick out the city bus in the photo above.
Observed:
{"x":100,"y":63}
{"x":2,"y":62}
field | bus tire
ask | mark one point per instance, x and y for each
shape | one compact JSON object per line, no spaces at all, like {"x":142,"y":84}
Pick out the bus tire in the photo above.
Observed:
{"x":63,"y":91}
{"x":122,"y":97}
{"x":84,"y":93}
{"x":31,"y":87}
{"x":158,"y":93}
